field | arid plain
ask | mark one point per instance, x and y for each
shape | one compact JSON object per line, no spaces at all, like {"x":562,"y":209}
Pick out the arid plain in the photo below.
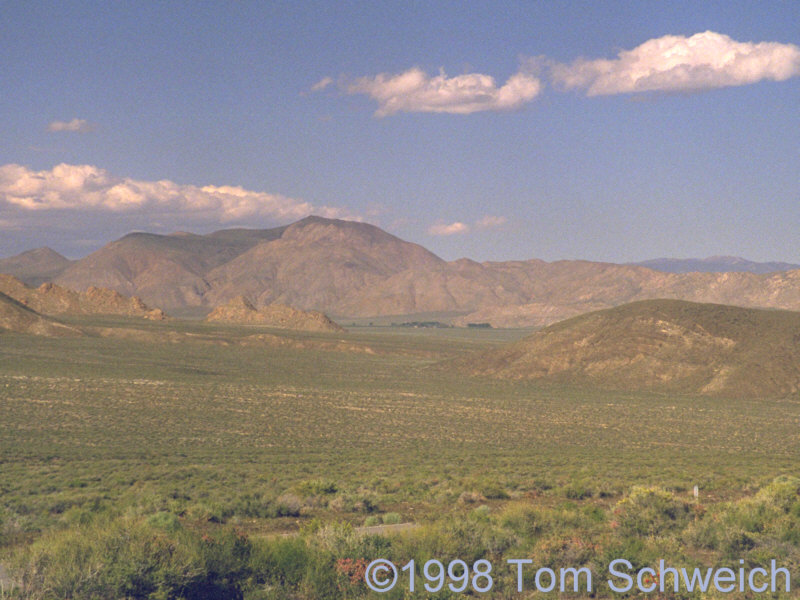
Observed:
{"x":268,"y":452}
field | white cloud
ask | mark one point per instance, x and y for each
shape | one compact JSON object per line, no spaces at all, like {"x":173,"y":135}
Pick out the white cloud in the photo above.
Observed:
{"x":490,"y":222}
{"x":416,"y":91}
{"x":451,"y":229}
{"x":681,"y":64}
{"x":322,"y":84}
{"x":88,"y":188}
{"x":75,"y":126}
{"x":485,"y":222}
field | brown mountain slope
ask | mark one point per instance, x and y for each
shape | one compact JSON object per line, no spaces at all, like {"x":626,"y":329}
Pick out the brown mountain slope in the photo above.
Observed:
{"x":15,"y":317}
{"x":51,"y":299}
{"x":537,"y":293}
{"x":165,"y":270}
{"x":562,"y":289}
{"x":241,"y":311}
{"x":315,"y":264}
{"x":323,"y":264}
{"x":660,"y":345}
{"x":559,"y":290}
{"x":35,"y":267}
{"x":515,"y":293}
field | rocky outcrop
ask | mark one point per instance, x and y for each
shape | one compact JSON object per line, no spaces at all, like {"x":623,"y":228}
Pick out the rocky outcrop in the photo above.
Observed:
{"x":241,"y":311}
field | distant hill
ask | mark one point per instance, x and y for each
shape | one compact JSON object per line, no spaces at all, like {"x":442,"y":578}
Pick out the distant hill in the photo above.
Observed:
{"x":660,"y":345}
{"x":17,"y":318}
{"x":51,"y":299}
{"x":349,"y":269}
{"x":35,"y":267}
{"x":715,"y":264}
{"x":165,"y":270}
{"x":241,"y":311}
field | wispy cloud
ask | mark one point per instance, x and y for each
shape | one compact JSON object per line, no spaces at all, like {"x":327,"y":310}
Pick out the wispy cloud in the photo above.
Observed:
{"x":322,"y":84}
{"x":416,"y":91}
{"x":73,"y":126}
{"x":82,"y":188}
{"x":451,"y":229}
{"x":674,"y":63}
{"x":490,"y":222}
{"x":484,"y":223}
{"x":9,"y":225}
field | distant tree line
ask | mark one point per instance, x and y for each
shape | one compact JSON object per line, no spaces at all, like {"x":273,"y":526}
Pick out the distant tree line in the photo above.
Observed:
{"x":417,"y":324}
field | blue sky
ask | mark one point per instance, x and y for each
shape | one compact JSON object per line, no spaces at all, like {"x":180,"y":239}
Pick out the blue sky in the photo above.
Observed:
{"x":490,"y":130}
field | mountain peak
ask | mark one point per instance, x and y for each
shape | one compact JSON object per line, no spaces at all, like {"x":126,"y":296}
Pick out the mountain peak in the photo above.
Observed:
{"x":314,"y":229}
{"x":44,"y":252}
{"x":318,"y":219}
{"x":35,"y":266}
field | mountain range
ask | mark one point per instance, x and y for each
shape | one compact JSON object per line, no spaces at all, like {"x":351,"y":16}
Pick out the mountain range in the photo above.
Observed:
{"x":715,"y":264}
{"x":353,"y":269}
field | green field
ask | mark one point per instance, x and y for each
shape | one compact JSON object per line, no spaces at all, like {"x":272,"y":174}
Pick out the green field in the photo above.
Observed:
{"x":211,"y":436}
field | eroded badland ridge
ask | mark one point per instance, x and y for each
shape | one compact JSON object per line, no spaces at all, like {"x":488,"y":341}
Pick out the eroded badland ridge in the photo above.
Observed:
{"x":52,"y":299}
{"x":240,"y":311}
{"x":659,"y":345}
{"x":18,"y":318}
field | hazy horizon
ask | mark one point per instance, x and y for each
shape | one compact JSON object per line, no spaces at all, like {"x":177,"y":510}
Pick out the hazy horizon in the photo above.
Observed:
{"x":490,"y":131}
{"x":653,"y":259}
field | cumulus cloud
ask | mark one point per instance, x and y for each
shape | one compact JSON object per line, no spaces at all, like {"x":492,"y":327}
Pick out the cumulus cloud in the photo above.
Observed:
{"x":416,"y":91}
{"x":674,"y":63}
{"x":322,"y":84}
{"x":490,"y":222}
{"x":79,"y":188}
{"x":451,"y":229}
{"x":74,"y":126}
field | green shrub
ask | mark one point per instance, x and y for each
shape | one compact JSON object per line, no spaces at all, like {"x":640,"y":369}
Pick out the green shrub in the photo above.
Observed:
{"x":783,"y":493}
{"x":288,"y":505}
{"x":480,"y":513}
{"x":651,"y":511}
{"x":321,"y":580}
{"x":392,"y":518}
{"x":493,"y":491}
{"x":735,"y":543}
{"x":121,"y":560}
{"x":522,"y":519}
{"x":211,"y":512}
{"x":164,"y":521}
{"x":225,"y":555}
{"x":353,"y":503}
{"x":577,"y":490}
{"x":281,"y":562}
{"x":316,"y":487}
